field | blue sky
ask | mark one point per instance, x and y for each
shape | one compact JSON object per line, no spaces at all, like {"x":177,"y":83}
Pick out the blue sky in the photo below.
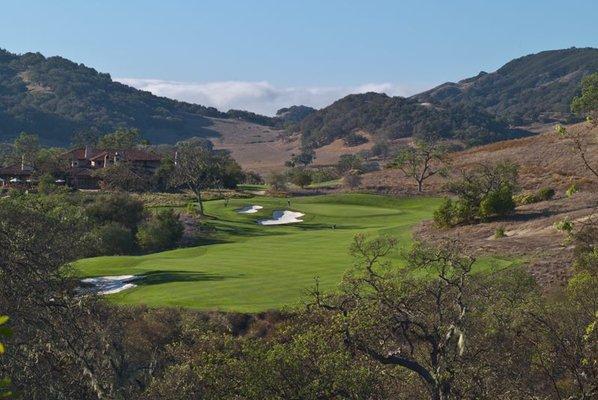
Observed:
{"x":261,"y":55}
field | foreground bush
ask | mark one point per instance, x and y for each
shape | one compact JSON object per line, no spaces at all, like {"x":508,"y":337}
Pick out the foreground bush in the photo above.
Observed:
{"x":116,"y":207}
{"x":161,"y":232}
{"x":113,"y":239}
{"x":543,"y":194}
{"x":484,"y":192}
{"x":497,"y":203}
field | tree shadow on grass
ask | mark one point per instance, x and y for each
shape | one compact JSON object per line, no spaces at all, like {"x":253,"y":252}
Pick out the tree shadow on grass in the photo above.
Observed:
{"x":159,"y":277}
{"x":330,"y":227}
{"x":252,"y":229}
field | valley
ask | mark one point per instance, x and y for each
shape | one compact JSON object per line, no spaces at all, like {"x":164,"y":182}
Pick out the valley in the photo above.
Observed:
{"x":374,"y":234}
{"x":251,"y":268}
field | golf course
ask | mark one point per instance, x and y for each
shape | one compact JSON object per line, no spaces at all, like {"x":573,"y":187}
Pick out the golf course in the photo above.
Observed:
{"x":248,"y":267}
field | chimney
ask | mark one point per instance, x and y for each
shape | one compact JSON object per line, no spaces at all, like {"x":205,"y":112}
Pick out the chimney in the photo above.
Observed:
{"x":86,"y":154}
{"x":23,"y":162}
{"x":176,"y":157}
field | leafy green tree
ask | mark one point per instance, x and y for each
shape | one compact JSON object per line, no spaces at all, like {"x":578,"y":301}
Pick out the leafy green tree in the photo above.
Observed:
{"x":47,"y":184}
{"x":497,"y":202}
{"x":84,"y":138}
{"x":121,"y":139}
{"x":481,"y":192}
{"x":300,"y":177}
{"x":161,"y":232}
{"x":421,"y":161}
{"x":349,"y":162}
{"x":396,"y":319}
{"x":352,"y":180}
{"x":587,"y":103}
{"x":5,"y":391}
{"x":113,"y":239}
{"x":304,"y":158}
{"x":51,"y":161}
{"x":162,"y":177}
{"x":278,"y":181}
{"x":116,"y":207}
{"x":122,"y":176}
{"x":8,"y":154}
{"x":27,"y":146}
{"x":199,"y":167}
{"x":381,"y":148}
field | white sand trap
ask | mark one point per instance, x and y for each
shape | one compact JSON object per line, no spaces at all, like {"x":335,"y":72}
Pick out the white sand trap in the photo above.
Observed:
{"x":249,"y":209}
{"x":109,"y":284}
{"x":281,"y":217}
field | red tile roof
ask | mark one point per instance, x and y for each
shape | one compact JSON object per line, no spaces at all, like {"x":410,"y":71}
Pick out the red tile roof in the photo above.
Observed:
{"x":79,"y":171}
{"x":129,"y":155}
{"x":15,"y":170}
{"x":79,"y":153}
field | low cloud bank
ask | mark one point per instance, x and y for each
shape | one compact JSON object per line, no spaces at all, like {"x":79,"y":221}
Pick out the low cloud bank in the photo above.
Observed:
{"x":259,"y":97}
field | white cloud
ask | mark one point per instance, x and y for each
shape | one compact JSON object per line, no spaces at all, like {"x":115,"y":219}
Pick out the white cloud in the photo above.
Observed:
{"x":260,"y":97}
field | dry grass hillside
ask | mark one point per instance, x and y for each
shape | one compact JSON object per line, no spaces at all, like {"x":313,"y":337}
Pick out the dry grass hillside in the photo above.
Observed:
{"x":545,"y":159}
{"x":256,"y":147}
{"x":263,"y":149}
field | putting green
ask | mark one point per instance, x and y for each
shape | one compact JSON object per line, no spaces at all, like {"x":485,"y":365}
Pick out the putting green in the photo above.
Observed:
{"x":248,"y":267}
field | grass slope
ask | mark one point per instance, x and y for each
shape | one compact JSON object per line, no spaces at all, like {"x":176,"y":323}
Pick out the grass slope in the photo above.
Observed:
{"x":251,"y":268}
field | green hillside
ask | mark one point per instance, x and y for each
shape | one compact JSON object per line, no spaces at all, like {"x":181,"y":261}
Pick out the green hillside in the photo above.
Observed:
{"x":388,"y":117}
{"x":535,"y":88}
{"x":55,"y":98}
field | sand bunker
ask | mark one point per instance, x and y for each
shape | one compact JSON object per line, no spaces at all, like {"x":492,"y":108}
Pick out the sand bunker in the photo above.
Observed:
{"x":281,"y":217}
{"x":249,"y":209}
{"x":109,"y":284}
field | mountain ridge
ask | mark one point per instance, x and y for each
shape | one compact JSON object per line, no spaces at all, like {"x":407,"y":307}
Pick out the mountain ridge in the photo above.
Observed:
{"x":536,"y":87}
{"x":56,"y":98}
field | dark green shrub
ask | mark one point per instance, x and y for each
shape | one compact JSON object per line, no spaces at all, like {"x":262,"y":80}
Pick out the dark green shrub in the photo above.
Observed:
{"x":116,"y":207}
{"x":572,"y":190}
{"x":324,"y":174}
{"x":354,"y":139}
{"x":161,"y":232}
{"x":352,"y":180}
{"x":525,"y":198}
{"x":300,"y":177}
{"x":114,"y":239}
{"x":530,"y":198}
{"x":252,"y":178}
{"x":277,"y":182}
{"x":454,"y":212}
{"x":497,"y":203}
{"x":500,"y":232}
{"x":444,"y":215}
{"x":546,"y":193}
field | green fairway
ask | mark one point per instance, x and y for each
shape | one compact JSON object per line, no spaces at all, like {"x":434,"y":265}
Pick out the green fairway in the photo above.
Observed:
{"x":248,"y":267}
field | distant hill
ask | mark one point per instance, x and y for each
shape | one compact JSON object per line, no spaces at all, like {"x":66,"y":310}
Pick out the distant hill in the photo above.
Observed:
{"x":535,"y":88}
{"x":396,"y":117}
{"x":530,"y":89}
{"x":54,"y":98}
{"x":292,"y":115}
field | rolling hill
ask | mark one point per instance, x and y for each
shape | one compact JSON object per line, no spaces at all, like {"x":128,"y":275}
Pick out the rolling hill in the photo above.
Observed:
{"x":531,"y":89}
{"x":535,"y":88}
{"x":388,"y":117}
{"x":55,"y":98}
